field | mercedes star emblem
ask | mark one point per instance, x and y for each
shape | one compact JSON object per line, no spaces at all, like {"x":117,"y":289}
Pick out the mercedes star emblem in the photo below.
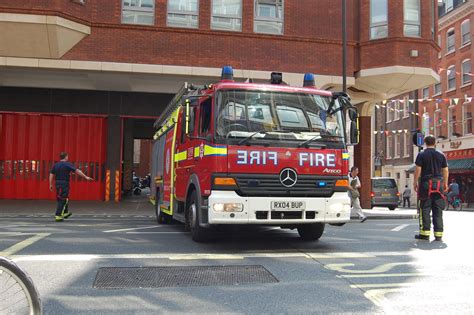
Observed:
{"x":288,"y":177}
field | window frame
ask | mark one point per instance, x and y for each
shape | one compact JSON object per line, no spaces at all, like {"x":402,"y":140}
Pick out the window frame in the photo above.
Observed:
{"x":449,"y":5}
{"x":436,"y":118}
{"x":425,"y":118}
{"x":226,"y":16}
{"x":139,"y":10}
{"x":398,"y":146}
{"x":451,"y":70}
{"x":411,"y":23}
{"x":440,"y":89}
{"x":388,"y":147}
{"x":388,"y":109}
{"x":397,"y":115}
{"x":269,"y":19}
{"x":468,"y":22}
{"x":469,"y":81}
{"x":185,"y":13}
{"x":408,"y":145}
{"x":373,"y":25}
{"x":453,"y":47}
{"x":427,"y":95}
{"x":466,"y":120}
{"x":406,"y":107}
{"x":451,"y":121}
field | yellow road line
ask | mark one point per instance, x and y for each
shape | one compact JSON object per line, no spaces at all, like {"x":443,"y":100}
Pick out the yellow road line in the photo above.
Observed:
{"x":23,"y":244}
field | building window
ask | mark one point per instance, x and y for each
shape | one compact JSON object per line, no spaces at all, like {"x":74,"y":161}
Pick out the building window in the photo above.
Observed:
{"x":183,"y":13}
{"x":389,"y":112}
{"x":426,"y":124}
{"x":438,"y":123}
{"x":397,"y":110}
{"x":408,"y":144}
{"x":439,"y":44}
{"x":378,"y":19}
{"x":412,"y":24}
{"x":389,"y":146}
{"x":466,"y":32}
{"x":450,"y":41}
{"x":449,"y":5}
{"x":398,"y":145}
{"x":269,"y":16}
{"x":451,"y":73}
{"x":467,"y":118}
{"x":138,"y":12}
{"x":227,"y":15}
{"x":426,"y":93}
{"x":466,"y":72}
{"x":451,"y":121}
{"x":406,"y":108}
{"x":437,"y":89}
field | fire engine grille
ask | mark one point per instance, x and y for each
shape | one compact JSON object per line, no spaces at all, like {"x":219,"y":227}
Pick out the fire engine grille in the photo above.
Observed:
{"x":269,"y":185}
{"x":189,"y":276}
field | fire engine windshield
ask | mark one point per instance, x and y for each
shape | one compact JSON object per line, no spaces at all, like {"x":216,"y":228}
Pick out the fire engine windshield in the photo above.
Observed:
{"x":270,"y":115}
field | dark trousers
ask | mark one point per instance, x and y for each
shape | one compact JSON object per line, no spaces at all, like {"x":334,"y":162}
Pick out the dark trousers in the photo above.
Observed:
{"x":406,"y":200}
{"x":62,"y":197}
{"x":432,"y":206}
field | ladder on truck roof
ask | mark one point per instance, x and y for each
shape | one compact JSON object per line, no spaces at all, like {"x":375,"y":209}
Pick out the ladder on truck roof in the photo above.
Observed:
{"x":186,"y":89}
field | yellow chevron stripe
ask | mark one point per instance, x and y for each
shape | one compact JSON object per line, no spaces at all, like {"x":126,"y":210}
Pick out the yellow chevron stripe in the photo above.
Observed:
{"x":181,"y":156}
{"x":196,"y":151}
{"x":208,"y":150}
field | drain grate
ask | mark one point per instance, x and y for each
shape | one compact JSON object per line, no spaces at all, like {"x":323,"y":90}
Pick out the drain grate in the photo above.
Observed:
{"x":193,"y":276}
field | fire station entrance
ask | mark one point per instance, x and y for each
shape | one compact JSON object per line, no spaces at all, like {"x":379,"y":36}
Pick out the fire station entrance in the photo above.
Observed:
{"x":31,"y":143}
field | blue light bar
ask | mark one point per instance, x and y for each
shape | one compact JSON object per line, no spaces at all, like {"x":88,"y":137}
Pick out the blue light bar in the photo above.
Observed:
{"x":309,"y":80}
{"x":227,"y":73}
{"x":322,"y":184}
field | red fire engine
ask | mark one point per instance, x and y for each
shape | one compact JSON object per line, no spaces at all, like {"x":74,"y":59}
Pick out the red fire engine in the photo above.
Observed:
{"x":247,"y":153}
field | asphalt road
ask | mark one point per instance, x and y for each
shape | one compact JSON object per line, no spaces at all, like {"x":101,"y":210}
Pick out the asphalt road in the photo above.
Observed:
{"x":372,"y":267}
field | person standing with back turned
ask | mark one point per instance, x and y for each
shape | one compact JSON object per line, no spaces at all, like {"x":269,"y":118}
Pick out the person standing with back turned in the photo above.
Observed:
{"x":431,"y":181}
{"x":61,"y":171}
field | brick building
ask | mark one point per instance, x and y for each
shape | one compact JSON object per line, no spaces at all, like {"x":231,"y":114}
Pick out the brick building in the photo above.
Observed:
{"x":117,"y":62}
{"x":446,"y":111}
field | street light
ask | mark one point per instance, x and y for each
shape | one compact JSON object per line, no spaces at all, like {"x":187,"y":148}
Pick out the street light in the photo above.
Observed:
{"x":344,"y":47}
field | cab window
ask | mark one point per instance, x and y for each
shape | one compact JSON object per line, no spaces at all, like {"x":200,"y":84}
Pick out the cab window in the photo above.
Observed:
{"x":206,"y":117}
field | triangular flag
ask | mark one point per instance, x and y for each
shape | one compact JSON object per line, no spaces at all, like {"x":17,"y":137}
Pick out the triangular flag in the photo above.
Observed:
{"x":456,"y":101}
{"x":469,"y":99}
{"x":412,"y":101}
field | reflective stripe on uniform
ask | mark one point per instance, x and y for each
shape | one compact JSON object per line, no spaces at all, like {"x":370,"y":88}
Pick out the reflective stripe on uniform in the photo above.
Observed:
{"x":424,"y":233}
{"x":438,"y":234}
{"x":420,"y":217}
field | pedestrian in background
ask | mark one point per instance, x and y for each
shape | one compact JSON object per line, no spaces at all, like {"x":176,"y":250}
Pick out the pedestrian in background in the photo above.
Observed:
{"x":61,"y":173}
{"x":354,"y":186}
{"x":431,"y":181}
{"x":406,"y":196}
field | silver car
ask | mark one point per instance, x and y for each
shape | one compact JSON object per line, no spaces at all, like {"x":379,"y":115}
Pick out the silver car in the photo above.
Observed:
{"x":384,"y":193}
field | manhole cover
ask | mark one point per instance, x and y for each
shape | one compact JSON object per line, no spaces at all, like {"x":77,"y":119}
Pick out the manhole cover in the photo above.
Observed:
{"x":194,"y":276}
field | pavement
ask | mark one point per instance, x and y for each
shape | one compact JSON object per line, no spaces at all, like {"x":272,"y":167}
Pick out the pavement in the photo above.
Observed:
{"x":373,"y":267}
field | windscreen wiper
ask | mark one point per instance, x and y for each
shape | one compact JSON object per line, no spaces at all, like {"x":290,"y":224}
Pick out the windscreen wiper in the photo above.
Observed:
{"x":322,"y":145}
{"x":245,"y":140}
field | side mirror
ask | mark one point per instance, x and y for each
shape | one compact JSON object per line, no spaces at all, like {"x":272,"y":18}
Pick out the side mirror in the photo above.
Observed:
{"x":354,"y":133}
{"x":352,"y":112}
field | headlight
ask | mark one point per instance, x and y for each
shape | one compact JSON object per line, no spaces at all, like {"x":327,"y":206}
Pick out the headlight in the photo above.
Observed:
{"x":228,"y":207}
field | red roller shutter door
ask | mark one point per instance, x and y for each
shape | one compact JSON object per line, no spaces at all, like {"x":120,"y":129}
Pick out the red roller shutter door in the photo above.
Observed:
{"x":30,"y":144}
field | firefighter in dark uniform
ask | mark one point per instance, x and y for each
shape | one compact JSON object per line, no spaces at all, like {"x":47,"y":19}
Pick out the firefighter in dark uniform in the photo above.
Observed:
{"x":431,"y":181}
{"x":61,"y":172}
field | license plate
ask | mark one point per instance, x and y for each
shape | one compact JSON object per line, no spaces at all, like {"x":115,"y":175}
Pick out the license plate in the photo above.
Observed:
{"x":288,"y":205}
{"x":386,"y":195}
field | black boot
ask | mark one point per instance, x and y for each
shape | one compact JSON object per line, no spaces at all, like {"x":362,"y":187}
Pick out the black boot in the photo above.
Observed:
{"x":422,"y":237}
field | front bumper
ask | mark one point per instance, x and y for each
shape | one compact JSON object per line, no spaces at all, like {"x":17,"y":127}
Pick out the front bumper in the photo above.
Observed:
{"x":257,"y":210}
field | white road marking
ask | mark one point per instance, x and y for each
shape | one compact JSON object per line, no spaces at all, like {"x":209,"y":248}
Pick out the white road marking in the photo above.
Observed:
{"x":379,"y":269}
{"x":383,"y":285}
{"x":174,"y":232}
{"x":383,"y":275}
{"x":133,"y":229}
{"x":400,"y":227}
{"x":23,"y":244}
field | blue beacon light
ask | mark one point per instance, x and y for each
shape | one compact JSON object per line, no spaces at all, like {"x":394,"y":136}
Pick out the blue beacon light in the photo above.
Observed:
{"x":309,"y":80}
{"x":227,"y":73}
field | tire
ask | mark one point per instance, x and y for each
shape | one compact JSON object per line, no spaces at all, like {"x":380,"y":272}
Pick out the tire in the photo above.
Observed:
{"x":391,"y":208}
{"x":311,"y":232}
{"x":25,"y":282}
{"x":457,"y":205}
{"x":198,"y":233}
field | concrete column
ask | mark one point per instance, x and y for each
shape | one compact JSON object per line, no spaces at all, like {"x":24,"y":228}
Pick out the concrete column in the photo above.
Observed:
{"x":114,"y":145}
{"x":127,"y":154}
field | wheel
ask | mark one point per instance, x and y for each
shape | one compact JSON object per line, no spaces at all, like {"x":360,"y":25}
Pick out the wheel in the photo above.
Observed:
{"x":311,"y":232}
{"x":457,"y":205}
{"x":20,"y":289}
{"x":391,"y":208}
{"x":198,"y":233}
